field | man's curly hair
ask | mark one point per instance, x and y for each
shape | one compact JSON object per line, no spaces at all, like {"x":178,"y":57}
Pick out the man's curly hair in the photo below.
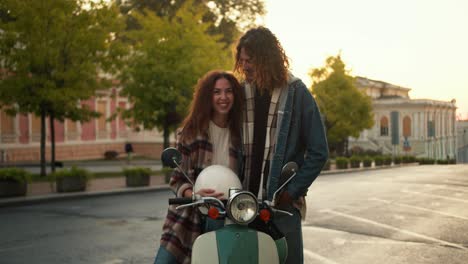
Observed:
{"x":268,"y":57}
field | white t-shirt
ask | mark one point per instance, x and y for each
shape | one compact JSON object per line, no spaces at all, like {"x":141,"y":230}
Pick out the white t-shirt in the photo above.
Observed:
{"x":220,"y":137}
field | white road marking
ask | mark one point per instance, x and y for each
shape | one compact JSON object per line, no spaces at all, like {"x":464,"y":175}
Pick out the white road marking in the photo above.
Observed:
{"x":316,"y":256}
{"x":356,"y":218}
{"x":419,"y":208}
{"x":437,"y":196}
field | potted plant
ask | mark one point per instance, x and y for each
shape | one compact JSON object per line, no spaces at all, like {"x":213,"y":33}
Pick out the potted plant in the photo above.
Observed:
{"x":367,"y":162}
{"x":355,"y":162}
{"x":71,"y":180}
{"x":137,"y":176}
{"x":13,"y":182}
{"x":379,"y":160}
{"x":342,"y":163}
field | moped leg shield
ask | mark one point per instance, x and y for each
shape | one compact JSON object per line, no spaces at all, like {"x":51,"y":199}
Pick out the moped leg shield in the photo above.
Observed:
{"x":235,"y":244}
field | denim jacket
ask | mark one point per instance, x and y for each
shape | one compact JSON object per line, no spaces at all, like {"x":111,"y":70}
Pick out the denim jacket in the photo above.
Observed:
{"x":300,"y":138}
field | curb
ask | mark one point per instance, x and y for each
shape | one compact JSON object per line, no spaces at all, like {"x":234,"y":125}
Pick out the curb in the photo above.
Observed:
{"x":362,"y":169}
{"x":55,"y":197}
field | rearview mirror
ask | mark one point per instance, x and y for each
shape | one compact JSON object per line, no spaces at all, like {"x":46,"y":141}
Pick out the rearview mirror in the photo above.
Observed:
{"x":289,"y":169}
{"x":171,"y":157}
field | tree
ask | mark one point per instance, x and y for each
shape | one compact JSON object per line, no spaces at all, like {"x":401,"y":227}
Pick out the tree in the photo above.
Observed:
{"x":52,"y":52}
{"x":168,"y":56}
{"x":225,"y":17}
{"x":347,"y":111}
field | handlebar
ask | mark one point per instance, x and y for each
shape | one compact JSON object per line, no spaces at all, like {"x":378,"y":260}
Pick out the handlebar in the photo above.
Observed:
{"x":180,"y":200}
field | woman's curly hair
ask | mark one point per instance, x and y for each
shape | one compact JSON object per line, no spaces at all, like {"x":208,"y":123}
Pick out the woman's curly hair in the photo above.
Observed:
{"x":201,"y":108}
{"x":268,"y":57}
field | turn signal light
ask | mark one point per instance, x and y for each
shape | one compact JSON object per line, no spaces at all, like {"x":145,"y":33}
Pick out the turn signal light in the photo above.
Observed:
{"x":265,"y":215}
{"x":213,"y":213}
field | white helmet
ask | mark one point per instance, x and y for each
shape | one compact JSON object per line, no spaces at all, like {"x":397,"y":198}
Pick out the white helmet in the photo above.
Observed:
{"x":219,"y":178}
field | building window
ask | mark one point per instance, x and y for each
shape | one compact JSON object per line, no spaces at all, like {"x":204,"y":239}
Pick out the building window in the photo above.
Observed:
{"x":7,"y":125}
{"x":384,"y":126}
{"x":407,"y":126}
{"x":102,"y":122}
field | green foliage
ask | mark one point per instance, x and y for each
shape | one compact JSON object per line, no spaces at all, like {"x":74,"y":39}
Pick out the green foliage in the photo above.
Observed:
{"x":387,"y":160}
{"x":426,"y":161}
{"x":442,"y":161}
{"x":355,"y":161}
{"x":379,"y":160}
{"x":56,"y":54}
{"x":15,"y":174}
{"x":342,"y":163}
{"x":169,"y":56}
{"x":226,"y":17}
{"x":367,"y":161}
{"x":397,"y":159}
{"x":347,"y":110}
{"x":72,"y":172}
{"x":136,"y":172}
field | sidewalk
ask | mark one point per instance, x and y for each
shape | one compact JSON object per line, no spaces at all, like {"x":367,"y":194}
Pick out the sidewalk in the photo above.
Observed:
{"x":43,"y":191}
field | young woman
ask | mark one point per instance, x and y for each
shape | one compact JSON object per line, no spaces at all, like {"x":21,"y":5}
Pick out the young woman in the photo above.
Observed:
{"x":210,"y":134}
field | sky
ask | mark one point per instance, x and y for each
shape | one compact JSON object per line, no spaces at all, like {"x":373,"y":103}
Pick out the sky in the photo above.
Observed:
{"x":417,"y":44}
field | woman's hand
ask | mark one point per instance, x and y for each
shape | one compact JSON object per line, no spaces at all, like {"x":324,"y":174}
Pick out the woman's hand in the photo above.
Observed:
{"x":210,"y":192}
{"x":204,"y":192}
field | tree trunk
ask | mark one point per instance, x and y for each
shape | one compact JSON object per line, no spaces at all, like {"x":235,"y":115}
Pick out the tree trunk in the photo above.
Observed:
{"x":166,"y":136}
{"x":52,"y":141}
{"x":43,"y":141}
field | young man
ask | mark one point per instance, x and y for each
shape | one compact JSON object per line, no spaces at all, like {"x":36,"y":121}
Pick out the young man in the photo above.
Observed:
{"x":281,"y":123}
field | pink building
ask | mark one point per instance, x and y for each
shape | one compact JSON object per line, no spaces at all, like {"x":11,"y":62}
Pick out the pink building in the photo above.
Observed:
{"x":20,"y":135}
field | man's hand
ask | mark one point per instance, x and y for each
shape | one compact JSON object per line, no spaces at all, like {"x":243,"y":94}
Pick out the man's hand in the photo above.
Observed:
{"x":284,"y":200}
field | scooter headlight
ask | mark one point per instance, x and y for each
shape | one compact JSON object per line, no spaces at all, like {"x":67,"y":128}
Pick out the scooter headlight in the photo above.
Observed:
{"x":242,"y":207}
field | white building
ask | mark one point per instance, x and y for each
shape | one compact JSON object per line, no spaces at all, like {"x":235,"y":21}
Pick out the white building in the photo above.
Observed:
{"x":419,"y":127}
{"x":462,"y":141}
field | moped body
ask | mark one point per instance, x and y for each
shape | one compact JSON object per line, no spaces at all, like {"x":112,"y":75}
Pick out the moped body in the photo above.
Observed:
{"x":236,"y":241}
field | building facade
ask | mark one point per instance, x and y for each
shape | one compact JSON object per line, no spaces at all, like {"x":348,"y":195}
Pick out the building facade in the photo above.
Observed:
{"x":462,"y":141}
{"x":20,"y":135}
{"x":405,"y":126}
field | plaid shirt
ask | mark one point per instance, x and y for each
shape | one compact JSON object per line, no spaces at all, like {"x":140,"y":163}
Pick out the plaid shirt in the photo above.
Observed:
{"x":182,"y":227}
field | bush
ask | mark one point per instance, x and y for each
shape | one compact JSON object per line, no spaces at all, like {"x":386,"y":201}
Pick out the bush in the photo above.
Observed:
{"x":397,"y":160}
{"x":452,"y":161}
{"x":367,"y":161}
{"x":74,"y":172}
{"x":426,"y":161}
{"x":444,"y":162}
{"x":15,"y":174}
{"x":372,"y":153}
{"x":137,"y":176}
{"x":379,"y":160}
{"x":355,"y":162}
{"x":111,"y":155}
{"x":387,"y":160}
{"x":13,"y":182}
{"x":341,"y":163}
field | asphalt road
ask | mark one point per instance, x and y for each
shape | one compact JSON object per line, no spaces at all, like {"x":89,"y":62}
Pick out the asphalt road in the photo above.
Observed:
{"x":403,"y":215}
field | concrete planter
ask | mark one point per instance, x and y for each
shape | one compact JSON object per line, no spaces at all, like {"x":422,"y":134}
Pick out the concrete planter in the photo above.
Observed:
{"x":70,"y":184}
{"x":11,"y":188}
{"x":137,"y":180}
